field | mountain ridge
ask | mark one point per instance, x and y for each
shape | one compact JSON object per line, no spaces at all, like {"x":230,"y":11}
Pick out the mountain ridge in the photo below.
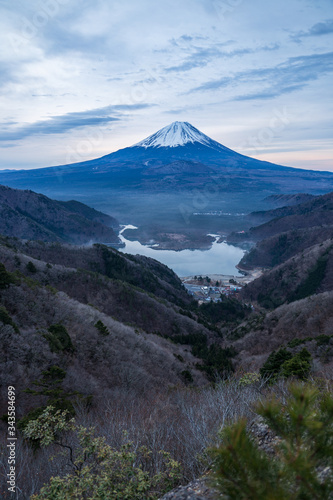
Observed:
{"x":179,"y":140}
{"x":30,"y":215}
{"x":152,"y":185}
{"x":317,"y":212}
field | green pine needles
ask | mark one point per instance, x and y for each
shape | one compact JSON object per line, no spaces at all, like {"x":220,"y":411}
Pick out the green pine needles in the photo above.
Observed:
{"x":59,"y":339}
{"x":283,"y":363}
{"x":103,"y":330}
{"x":302,"y":465}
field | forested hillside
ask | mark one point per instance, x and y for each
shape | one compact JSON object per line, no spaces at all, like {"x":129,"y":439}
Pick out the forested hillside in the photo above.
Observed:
{"x":116,"y":341}
{"x":313,"y":214}
{"x":128,"y":321}
{"x":303,"y":323}
{"x":88,"y":329}
{"x":277,"y":249}
{"x":119,"y":352}
{"x":29,"y":215}
{"x":305,"y":274}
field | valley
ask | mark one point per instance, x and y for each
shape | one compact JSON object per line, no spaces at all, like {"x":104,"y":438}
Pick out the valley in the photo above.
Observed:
{"x":166,"y":250}
{"x":172,"y":311}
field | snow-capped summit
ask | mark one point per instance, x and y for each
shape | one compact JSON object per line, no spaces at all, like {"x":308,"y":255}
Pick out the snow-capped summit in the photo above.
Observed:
{"x":176,"y":142}
{"x":177,"y":134}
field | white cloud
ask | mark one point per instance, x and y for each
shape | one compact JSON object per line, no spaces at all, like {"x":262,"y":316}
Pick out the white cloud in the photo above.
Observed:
{"x":66,"y":56}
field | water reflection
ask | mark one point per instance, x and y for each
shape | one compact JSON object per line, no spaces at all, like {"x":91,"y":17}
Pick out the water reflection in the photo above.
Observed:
{"x":219,"y":259}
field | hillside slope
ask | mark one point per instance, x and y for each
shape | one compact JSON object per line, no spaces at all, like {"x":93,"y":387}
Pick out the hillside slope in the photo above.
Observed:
{"x":305,"y":274}
{"x":287,"y":231}
{"x":130,"y":323}
{"x":282,"y":200}
{"x":313,"y":213}
{"x":277,"y":249}
{"x":135,"y":270}
{"x":98,"y":364}
{"x":29,"y":215}
{"x":126,"y":290}
{"x":304,"y":323}
{"x":297,"y":290}
{"x":115,"y":330}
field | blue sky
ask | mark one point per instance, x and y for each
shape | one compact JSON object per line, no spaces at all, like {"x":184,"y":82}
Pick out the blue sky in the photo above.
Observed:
{"x":80,"y":79}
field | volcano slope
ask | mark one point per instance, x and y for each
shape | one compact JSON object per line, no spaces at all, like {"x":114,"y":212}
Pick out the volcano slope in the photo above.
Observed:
{"x":176,"y":180}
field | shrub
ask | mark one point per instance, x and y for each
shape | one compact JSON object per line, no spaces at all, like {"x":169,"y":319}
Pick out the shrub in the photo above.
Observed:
{"x":6,"y":319}
{"x":102,"y":328}
{"x":297,"y":342}
{"x":31,"y":268}
{"x":298,"y":366}
{"x":275,"y":360}
{"x":283,"y":363}
{"x":59,"y":339}
{"x":99,"y":471}
{"x":249,"y":378}
{"x":323,"y":339}
{"x":5,"y":278}
{"x":50,"y":385}
{"x":187,"y":375}
{"x":216,"y":360}
{"x":304,"y":427}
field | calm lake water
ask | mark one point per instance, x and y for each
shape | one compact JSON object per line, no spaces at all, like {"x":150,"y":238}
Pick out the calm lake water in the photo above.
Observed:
{"x":219,"y":259}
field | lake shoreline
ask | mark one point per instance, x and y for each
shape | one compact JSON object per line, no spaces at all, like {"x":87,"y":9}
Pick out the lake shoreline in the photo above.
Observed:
{"x":175,"y":242}
{"x":218,"y":258}
{"x":246,"y":278}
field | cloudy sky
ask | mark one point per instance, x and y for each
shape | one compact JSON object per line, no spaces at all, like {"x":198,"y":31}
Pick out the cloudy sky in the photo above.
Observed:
{"x":82,"y":78}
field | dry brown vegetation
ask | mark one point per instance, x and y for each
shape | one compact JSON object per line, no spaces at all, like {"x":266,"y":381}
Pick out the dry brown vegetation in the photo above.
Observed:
{"x":137,"y":378}
{"x":126,"y":358}
{"x":144,"y":350}
{"x":311,"y":317}
{"x":182,"y":422}
{"x":131,"y":349}
{"x":119,"y":299}
{"x":302,"y":275}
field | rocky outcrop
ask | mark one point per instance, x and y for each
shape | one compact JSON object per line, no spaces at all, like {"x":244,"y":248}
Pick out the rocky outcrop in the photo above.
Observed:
{"x":196,"y":490}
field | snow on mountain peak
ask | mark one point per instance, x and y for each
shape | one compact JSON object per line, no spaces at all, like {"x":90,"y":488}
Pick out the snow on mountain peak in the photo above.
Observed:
{"x":176,"y":134}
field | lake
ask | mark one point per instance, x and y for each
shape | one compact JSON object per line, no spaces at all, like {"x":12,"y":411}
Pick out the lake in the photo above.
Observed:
{"x":219,"y":259}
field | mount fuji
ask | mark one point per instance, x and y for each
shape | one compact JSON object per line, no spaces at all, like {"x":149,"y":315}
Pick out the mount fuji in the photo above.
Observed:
{"x":178,"y":134}
{"x":180,"y":141}
{"x":149,"y":183}
{"x":176,"y":144}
